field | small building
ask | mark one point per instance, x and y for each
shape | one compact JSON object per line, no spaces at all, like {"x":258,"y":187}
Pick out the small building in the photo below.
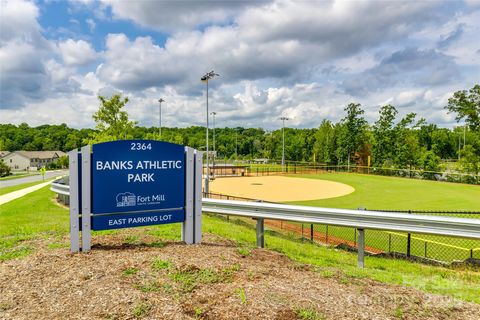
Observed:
{"x":30,"y":160}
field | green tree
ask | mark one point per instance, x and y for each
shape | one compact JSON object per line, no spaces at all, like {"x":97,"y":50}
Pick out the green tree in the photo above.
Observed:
{"x":111,"y":121}
{"x":352,"y":135}
{"x":324,"y":145}
{"x":429,"y":161}
{"x":444,"y":143}
{"x":407,"y":148}
{"x":469,"y":160}
{"x":467,"y":106}
{"x":384,"y":135}
{"x":4,"y":169}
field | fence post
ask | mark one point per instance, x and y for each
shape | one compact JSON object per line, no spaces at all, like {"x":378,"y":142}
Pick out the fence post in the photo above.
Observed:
{"x":355,"y":237}
{"x":302,"y":232}
{"x":326,"y":233}
{"x":471,"y":253}
{"x":425,"y":249}
{"x":409,"y":240}
{"x":311,"y":232}
{"x":260,"y":233}
{"x":361,"y":248}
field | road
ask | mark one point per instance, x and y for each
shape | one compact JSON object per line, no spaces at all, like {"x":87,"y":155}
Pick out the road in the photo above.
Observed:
{"x":48,"y":175}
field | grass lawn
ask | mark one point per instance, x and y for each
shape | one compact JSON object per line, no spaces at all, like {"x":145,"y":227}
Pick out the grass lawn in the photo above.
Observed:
{"x":36,"y":216}
{"x":16,"y":176}
{"x":392,"y":193}
{"x":380,"y":192}
{"x":9,"y":189}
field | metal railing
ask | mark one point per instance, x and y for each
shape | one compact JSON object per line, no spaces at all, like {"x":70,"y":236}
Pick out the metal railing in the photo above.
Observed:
{"x":60,"y":188}
{"x":445,"y":226}
{"x":361,"y":220}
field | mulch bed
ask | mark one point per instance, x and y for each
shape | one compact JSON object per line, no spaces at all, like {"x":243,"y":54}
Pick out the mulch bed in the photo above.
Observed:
{"x":214,"y":280}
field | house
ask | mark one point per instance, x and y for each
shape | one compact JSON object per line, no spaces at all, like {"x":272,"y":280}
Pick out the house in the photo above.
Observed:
{"x":30,"y":160}
{"x":3,"y":153}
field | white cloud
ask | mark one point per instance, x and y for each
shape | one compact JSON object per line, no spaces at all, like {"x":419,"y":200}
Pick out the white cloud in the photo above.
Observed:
{"x":18,"y":21}
{"x":304,"y":60}
{"x":77,"y":53}
{"x":177,"y":15}
{"x":283,"y":40}
{"x":91,"y":24}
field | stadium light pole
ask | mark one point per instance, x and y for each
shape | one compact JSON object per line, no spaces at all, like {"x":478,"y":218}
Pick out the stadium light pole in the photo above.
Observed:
{"x":206,"y":78}
{"x":236,"y":144}
{"x":283,"y":142}
{"x":214,"y":149}
{"x":160,"y":118}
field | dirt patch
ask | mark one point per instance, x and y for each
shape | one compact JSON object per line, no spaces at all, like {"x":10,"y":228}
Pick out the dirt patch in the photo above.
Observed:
{"x":280,"y":189}
{"x":214,"y":280}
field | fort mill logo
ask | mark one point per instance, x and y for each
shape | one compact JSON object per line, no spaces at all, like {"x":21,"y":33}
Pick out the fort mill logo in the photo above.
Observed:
{"x":128,"y":199}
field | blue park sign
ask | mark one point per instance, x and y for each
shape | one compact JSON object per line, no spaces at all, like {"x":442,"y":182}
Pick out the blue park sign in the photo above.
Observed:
{"x":137,"y":183}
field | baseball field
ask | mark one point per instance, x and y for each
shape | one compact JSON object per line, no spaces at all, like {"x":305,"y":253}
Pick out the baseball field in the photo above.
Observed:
{"x":353,"y":191}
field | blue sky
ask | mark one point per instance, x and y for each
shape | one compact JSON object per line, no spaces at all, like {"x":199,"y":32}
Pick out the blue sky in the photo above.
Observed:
{"x":304,"y":60}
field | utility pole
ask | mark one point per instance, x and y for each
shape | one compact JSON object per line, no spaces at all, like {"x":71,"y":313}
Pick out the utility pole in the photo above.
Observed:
{"x":283,"y":142}
{"x":236,"y":144}
{"x":160,"y":118}
{"x":206,"y":78}
{"x":459,"y":144}
{"x":214,"y":149}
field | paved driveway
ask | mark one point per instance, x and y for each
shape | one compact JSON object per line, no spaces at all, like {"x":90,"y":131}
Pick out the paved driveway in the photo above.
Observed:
{"x":48,"y":175}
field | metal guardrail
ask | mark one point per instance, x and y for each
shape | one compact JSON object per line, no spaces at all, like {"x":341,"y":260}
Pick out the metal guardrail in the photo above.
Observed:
{"x":359,"y":219}
{"x":60,"y":188}
{"x":400,"y":222}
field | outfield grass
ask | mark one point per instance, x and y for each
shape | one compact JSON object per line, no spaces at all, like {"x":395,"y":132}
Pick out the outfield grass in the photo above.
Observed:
{"x":392,"y":193}
{"x":9,"y":189}
{"x":36,"y":216}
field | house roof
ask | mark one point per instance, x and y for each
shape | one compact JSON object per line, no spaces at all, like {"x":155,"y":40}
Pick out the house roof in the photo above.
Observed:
{"x":40,"y":154}
{"x":3,"y":153}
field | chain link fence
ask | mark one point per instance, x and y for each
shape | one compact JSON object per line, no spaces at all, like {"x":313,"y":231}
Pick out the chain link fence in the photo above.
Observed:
{"x":427,"y":248}
{"x":273,"y":168}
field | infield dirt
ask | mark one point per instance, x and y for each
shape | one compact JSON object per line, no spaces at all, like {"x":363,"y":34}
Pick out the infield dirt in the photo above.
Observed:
{"x":279,"y":188}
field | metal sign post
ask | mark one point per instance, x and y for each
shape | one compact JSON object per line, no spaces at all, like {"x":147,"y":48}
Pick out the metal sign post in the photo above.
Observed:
{"x":134,"y":183}
{"x":86,"y":198}
{"x":73,"y":159}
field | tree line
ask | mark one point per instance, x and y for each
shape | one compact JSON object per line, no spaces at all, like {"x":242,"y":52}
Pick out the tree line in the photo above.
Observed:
{"x":390,"y":141}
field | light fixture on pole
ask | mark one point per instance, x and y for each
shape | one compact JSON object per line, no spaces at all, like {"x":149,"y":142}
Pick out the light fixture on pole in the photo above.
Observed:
{"x":160,"y":118}
{"x":283,"y":142}
{"x":206,"y":78}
